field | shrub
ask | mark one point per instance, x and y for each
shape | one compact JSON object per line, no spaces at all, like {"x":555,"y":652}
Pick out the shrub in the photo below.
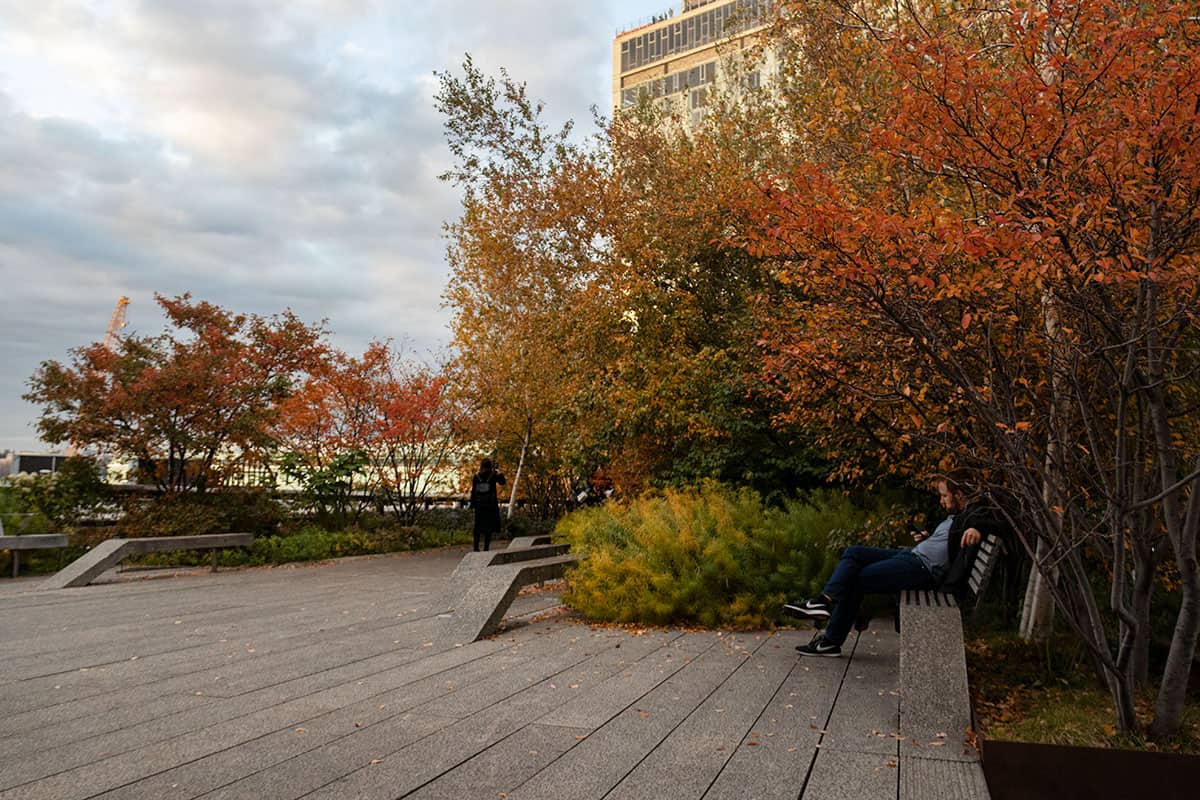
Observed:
{"x":231,"y":511}
{"x":52,"y":502}
{"x":523,"y":523}
{"x":715,"y":556}
{"x":312,"y":543}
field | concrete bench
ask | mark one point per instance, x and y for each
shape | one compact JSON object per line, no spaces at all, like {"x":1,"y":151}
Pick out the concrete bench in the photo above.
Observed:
{"x":937,"y":747}
{"x":528,"y":541}
{"x":33,"y":541}
{"x":484,"y":585}
{"x":111,"y":552}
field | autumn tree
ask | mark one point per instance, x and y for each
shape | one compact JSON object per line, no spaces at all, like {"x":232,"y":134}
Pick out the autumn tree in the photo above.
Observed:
{"x":324,"y":429}
{"x":682,"y":376}
{"x":372,"y":430}
{"x":600,"y":316}
{"x":522,"y":255}
{"x":996,"y":265}
{"x":414,"y":437}
{"x":187,"y":403}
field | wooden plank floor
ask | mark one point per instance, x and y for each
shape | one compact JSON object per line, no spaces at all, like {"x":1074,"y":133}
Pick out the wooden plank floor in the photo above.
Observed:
{"x":327,"y":682}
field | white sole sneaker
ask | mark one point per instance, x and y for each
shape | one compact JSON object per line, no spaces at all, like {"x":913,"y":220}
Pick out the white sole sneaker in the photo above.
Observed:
{"x":804,"y":611}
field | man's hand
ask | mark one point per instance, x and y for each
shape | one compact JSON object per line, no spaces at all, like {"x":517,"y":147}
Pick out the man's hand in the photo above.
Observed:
{"x":971,"y":536}
{"x":920,"y":536}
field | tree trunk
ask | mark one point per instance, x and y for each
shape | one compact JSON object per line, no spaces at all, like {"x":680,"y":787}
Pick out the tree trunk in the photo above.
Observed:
{"x":1182,"y":524}
{"x":1037,"y":614}
{"x":512,"y":496}
{"x":1143,"y":593}
{"x":1172,"y":691}
{"x":1124,"y":693}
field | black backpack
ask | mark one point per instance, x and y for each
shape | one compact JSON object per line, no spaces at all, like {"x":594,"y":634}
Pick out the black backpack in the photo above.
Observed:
{"x":481,"y":490}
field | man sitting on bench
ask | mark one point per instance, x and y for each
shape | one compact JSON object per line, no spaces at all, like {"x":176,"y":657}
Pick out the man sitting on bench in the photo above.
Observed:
{"x":884,"y":570}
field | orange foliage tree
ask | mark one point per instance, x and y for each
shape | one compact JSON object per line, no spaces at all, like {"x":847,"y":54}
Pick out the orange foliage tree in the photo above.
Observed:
{"x":600,"y":318}
{"x":324,"y":429}
{"x":184,"y":404}
{"x":378,"y":429}
{"x":524,"y":255}
{"x":992,"y":239}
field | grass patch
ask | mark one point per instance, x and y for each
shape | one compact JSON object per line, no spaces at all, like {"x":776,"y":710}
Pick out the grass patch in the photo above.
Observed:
{"x":1048,"y":694}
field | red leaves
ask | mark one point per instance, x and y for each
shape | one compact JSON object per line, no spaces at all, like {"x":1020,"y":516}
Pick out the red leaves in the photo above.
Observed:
{"x":209,"y":387}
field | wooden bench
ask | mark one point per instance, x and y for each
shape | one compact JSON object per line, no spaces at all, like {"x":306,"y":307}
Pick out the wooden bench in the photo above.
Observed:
{"x":111,"y":552}
{"x":29,"y":541}
{"x":937,"y":745}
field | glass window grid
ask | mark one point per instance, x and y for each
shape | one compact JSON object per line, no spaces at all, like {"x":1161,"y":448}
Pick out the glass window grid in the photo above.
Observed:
{"x":687,"y":34}
{"x":671,"y":84}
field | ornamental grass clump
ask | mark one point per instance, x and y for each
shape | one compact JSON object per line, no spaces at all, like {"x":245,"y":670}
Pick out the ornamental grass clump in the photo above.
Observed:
{"x":713,"y":556}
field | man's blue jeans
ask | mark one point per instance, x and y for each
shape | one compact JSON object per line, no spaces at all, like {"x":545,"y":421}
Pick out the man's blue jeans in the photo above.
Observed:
{"x":869,"y":570}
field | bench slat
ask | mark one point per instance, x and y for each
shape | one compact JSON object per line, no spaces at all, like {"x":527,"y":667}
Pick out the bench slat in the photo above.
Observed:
{"x":989,"y":554}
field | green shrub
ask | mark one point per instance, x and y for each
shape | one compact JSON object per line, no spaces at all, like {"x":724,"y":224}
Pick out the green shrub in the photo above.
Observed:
{"x":522,"y":523}
{"x":230,"y":511}
{"x":713,"y":556}
{"x":54,"y":502}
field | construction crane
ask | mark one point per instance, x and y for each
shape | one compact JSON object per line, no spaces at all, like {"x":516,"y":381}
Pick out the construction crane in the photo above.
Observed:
{"x":115,"y":324}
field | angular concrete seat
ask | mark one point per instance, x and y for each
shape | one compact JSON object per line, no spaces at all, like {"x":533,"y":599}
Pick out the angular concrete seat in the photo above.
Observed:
{"x":484,"y":585}
{"x":111,"y":552}
{"x":33,"y":541}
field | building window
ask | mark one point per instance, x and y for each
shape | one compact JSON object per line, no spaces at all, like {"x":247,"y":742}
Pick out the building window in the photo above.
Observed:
{"x":671,"y":84}
{"x":692,"y":32}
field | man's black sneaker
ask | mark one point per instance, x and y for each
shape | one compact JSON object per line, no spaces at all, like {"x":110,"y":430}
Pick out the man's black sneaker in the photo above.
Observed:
{"x":819,"y":647}
{"x":815,"y":608}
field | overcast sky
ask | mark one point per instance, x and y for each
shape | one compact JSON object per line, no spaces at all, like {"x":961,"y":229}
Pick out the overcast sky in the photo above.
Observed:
{"x":260,"y":154}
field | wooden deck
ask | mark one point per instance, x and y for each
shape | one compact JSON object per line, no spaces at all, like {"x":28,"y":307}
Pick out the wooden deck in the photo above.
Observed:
{"x":326,"y":682}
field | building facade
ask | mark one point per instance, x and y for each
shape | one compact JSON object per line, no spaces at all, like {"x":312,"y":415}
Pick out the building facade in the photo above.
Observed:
{"x":676,"y":60}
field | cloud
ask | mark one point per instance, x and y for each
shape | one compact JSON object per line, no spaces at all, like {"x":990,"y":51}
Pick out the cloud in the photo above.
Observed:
{"x":260,"y":155}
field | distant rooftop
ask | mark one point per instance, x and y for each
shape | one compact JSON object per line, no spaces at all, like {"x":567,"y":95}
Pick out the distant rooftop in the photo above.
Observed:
{"x":688,"y":5}
{"x":653,"y":18}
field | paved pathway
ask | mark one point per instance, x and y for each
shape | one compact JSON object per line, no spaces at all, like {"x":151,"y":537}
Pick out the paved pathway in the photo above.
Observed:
{"x":325,"y":682}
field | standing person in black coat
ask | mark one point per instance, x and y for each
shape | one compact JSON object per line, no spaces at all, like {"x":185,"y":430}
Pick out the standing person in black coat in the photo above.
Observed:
{"x":486,"y":502}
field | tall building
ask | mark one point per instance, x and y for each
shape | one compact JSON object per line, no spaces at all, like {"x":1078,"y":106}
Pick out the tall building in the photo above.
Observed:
{"x":675,"y":59}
